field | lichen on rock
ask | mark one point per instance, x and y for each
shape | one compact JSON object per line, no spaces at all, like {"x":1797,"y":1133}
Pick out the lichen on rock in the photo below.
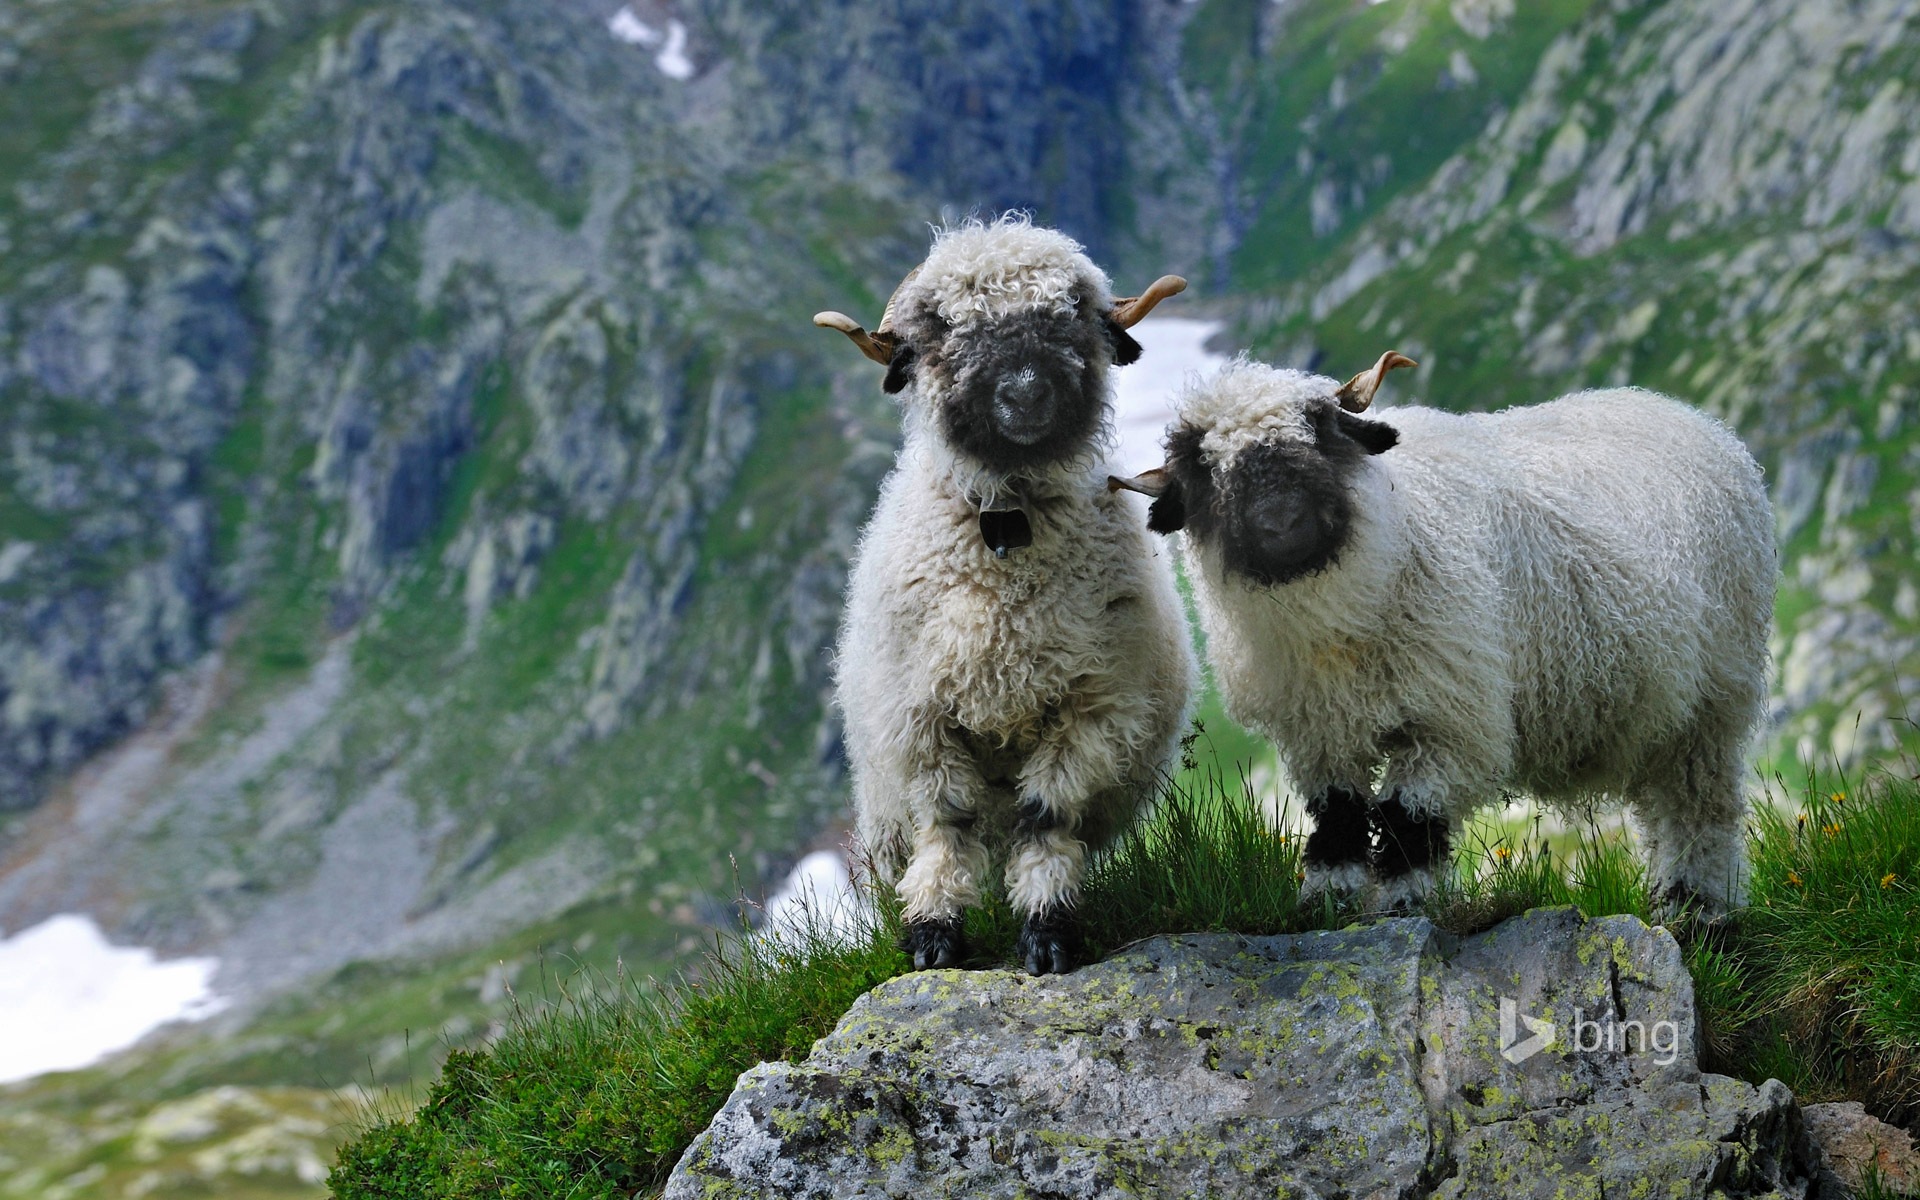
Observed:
{"x":1370,"y":1061}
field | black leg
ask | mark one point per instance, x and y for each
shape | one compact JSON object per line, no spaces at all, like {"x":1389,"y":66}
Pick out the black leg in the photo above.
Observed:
{"x":1050,"y":937}
{"x":934,"y":944}
{"x":1031,"y":818}
{"x":1049,"y":942}
{"x":1691,"y":918}
{"x":1408,"y":844}
{"x":1339,"y":836}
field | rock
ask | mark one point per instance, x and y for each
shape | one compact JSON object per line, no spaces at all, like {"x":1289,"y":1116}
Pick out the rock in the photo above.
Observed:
{"x":1849,"y":1141}
{"x":1551,"y":1056}
{"x":1481,"y":17}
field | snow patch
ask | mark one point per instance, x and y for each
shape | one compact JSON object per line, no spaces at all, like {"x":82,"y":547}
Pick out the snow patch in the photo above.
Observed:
{"x":68,"y":998}
{"x":1172,"y":349}
{"x":672,"y":57}
{"x":632,"y":30}
{"x":818,"y":899}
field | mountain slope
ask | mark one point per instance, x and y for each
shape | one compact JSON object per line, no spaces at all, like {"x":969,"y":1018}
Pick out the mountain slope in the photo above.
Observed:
{"x":1718,"y":201}
{"x":444,"y":372}
{"x":425,"y":393}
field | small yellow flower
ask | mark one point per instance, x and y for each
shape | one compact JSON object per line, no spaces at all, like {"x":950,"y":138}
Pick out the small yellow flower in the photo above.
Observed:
{"x":1800,"y":822}
{"x":1886,"y":881}
{"x":1793,"y":877}
{"x":1830,"y":830}
{"x":1502,"y":853}
{"x":1838,"y":797}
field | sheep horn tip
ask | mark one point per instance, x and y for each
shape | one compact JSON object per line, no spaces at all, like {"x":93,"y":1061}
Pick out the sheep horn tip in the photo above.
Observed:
{"x":857,"y":334}
{"x":1128,"y":310}
{"x":1147,"y":483}
{"x":1357,"y":393}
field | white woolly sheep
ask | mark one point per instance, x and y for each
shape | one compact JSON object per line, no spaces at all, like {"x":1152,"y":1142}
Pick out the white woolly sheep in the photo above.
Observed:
{"x":1572,"y":599}
{"x":1013,"y":666}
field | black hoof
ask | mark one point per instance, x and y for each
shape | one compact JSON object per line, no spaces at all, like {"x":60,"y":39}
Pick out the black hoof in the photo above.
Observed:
{"x":933,"y":944}
{"x":1692,"y":918}
{"x":1048,"y":945}
{"x":1400,"y":902}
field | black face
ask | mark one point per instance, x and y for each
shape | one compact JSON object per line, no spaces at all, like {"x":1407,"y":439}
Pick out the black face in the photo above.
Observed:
{"x":1285,"y":509}
{"x":1020,"y":391}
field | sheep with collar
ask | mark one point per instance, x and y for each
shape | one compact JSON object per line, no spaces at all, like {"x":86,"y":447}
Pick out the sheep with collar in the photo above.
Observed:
{"x":1571,"y":599}
{"x":1013,"y":667}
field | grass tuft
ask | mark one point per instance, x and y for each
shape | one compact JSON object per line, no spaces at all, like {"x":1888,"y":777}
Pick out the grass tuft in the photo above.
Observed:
{"x":1210,"y":860}
{"x":1492,"y":880}
{"x":1830,"y":946}
{"x":598,"y":1093}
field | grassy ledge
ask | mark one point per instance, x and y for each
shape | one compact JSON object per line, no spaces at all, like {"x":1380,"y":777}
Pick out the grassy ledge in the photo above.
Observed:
{"x":1817,"y":983}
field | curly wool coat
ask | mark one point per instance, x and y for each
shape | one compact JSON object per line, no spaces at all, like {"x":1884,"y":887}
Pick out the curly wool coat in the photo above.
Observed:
{"x":1027,"y":701}
{"x":1571,"y":599}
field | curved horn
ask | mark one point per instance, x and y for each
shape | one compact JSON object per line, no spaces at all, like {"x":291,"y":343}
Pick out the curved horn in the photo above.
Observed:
{"x":878,"y":345}
{"x":1147,"y":483}
{"x":886,"y":314}
{"x":869,"y":345}
{"x":1357,"y":393}
{"x":1128,"y":310}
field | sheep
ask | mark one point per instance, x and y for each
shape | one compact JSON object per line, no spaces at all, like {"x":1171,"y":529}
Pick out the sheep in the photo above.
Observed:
{"x":1013,"y":667}
{"x":1571,"y":599}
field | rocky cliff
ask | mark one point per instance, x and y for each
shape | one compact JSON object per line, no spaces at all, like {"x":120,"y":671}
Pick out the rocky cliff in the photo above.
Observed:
{"x":439,"y":378}
{"x":1720,"y":201}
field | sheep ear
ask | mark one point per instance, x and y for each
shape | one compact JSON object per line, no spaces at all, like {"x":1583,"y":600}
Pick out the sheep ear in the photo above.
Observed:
{"x":1125,"y":349}
{"x":899,"y":371}
{"x":1168,"y":514}
{"x":1374,"y":437}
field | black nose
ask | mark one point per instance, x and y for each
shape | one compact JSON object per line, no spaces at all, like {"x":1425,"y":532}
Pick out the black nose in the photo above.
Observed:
{"x":1286,"y":529}
{"x":1023,"y":406}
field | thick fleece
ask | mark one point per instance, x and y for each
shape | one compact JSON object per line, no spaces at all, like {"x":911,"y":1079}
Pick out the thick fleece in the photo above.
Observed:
{"x":1571,"y":599}
{"x":1027,"y":701}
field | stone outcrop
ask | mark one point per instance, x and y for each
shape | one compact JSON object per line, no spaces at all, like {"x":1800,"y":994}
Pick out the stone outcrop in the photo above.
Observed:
{"x":1383,"y":1060}
{"x":1854,"y":1146}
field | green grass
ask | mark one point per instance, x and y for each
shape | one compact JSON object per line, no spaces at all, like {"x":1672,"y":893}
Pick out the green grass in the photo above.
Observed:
{"x":596,"y":1093}
{"x":1828,"y":959}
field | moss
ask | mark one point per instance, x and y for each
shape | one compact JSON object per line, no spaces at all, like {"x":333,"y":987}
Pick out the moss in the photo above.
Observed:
{"x":507,"y":165}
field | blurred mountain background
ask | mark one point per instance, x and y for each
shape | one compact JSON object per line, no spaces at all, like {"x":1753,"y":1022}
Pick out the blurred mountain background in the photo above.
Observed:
{"x":424,"y":502}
